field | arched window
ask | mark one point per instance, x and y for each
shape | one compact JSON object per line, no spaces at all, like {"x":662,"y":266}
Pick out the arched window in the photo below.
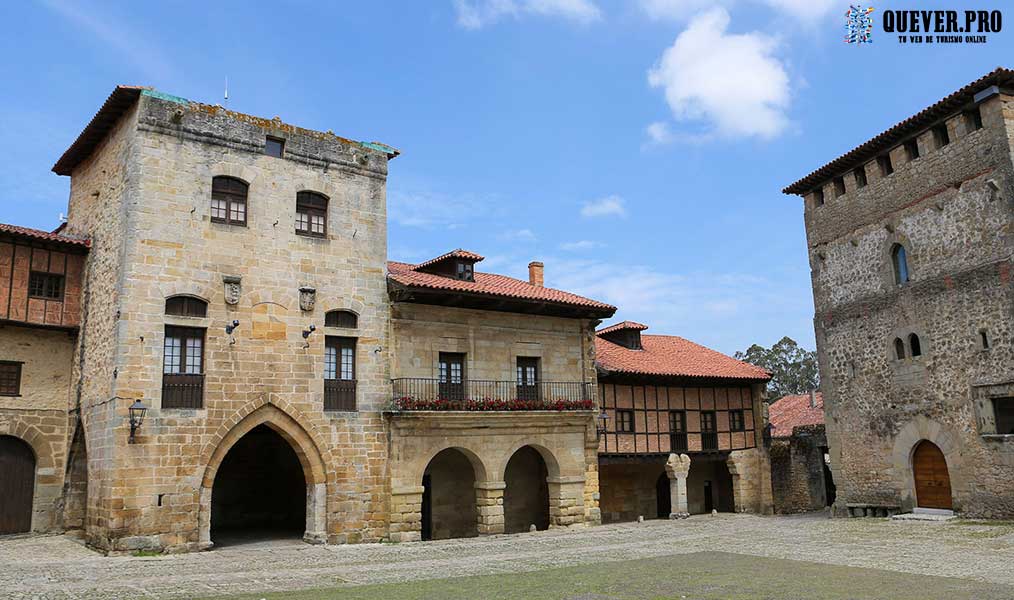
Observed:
{"x":311,"y":214}
{"x":228,"y":200}
{"x":913,"y":345}
{"x":341,"y":318}
{"x":900,"y":259}
{"x":899,"y":349}
{"x":186,"y":306}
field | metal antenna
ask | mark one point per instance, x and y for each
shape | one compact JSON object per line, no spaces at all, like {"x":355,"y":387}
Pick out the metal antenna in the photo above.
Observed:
{"x":227,"y":91}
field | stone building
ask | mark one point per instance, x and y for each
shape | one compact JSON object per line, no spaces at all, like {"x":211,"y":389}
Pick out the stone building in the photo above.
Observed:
{"x":800,"y":475}
{"x":910,"y":238}
{"x":683,"y":428}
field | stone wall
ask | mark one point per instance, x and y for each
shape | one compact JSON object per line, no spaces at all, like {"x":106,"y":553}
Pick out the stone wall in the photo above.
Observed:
{"x":797,"y":470}
{"x":952,"y":210}
{"x":629,"y":492}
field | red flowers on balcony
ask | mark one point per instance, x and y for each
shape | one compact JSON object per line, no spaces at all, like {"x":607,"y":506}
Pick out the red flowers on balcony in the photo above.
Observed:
{"x":408,"y":403}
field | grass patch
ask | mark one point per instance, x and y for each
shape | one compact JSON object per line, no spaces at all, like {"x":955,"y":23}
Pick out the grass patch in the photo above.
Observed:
{"x":146,"y":553}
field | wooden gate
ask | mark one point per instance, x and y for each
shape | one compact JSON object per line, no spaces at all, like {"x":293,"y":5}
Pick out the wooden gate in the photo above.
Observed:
{"x":17,"y":483}
{"x":932,"y":481}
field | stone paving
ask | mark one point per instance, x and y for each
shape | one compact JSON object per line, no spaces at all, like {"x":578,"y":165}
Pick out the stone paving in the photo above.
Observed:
{"x":58,"y":567}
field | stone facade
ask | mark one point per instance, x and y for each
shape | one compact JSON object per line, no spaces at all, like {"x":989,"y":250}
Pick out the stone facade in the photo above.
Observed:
{"x":798,"y":478}
{"x":950,"y":207}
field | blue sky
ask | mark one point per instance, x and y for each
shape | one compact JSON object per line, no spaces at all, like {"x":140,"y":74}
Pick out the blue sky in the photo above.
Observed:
{"x":638,"y":148}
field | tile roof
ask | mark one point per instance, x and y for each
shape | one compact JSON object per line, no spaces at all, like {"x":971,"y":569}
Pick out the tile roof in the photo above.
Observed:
{"x":620,"y":326}
{"x":490,"y":284}
{"x":789,"y":412}
{"x":672,"y":356}
{"x":459,"y":253}
{"x":895,"y":135}
{"x":46,"y":236}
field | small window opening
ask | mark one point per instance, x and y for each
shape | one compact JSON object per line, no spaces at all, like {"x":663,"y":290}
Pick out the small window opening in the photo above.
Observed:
{"x":839,"y":186}
{"x":913,"y":344}
{"x":818,"y":197}
{"x":899,"y":349}
{"x":1003,"y":412}
{"x":984,"y":339}
{"x":884,"y":162}
{"x":625,"y":421}
{"x":941,"y":136}
{"x":899,"y":257}
{"x":860,"y":176}
{"x":274,"y":146}
{"x":973,"y":119}
{"x":186,"y":306}
{"x":341,"y":318}
{"x":912,"y":150}
{"x":311,"y":214}
{"x":45,"y":285}
{"x":464,"y":271}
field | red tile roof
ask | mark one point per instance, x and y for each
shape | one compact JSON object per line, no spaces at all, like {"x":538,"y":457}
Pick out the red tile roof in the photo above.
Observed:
{"x":895,"y":135}
{"x":490,"y":284}
{"x":118,"y":103}
{"x":789,"y":412}
{"x":620,"y":326}
{"x":671,"y":356}
{"x":38,"y":234}
{"x":459,"y":253}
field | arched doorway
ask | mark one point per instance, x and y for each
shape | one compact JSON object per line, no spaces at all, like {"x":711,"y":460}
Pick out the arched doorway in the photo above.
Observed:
{"x":709,"y":485}
{"x":259,"y":490}
{"x":663,"y":496}
{"x":526,"y":498}
{"x":448,"y":504}
{"x":17,"y":472}
{"x":932,"y":480}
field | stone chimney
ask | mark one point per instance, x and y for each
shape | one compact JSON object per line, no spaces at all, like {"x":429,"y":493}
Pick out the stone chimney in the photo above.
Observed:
{"x":535,"y":273}
{"x":813,"y":398}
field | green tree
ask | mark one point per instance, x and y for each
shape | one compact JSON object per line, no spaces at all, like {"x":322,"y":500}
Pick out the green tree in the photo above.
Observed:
{"x":793,"y":369}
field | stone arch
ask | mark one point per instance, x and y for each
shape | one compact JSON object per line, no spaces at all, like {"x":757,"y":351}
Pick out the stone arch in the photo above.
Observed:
{"x":270,"y":296}
{"x":478,"y":465}
{"x":306,"y":444}
{"x":915,"y":431}
{"x":36,"y":440}
{"x":202,"y":290}
{"x":527,"y":499}
{"x":244,"y":173}
{"x":552,"y":464}
{"x":893,"y":239}
{"x":448,"y":508}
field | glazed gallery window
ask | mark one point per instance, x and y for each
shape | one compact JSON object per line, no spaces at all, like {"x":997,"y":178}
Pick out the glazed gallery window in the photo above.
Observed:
{"x":625,"y":421}
{"x":678,"y":431}
{"x":736,"y":422}
{"x":311,"y":214}
{"x":228,"y":201}
{"x":45,"y":285}
{"x":10,"y":378}
{"x":899,"y":259}
{"x":183,"y":367}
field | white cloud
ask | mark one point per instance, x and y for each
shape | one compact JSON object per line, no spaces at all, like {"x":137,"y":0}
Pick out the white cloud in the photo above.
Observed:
{"x":732,"y":83}
{"x":658,"y":133}
{"x":475,"y":14}
{"x":580,"y":245}
{"x":604,"y":207}
{"x":518,"y":235}
{"x":674,"y":10}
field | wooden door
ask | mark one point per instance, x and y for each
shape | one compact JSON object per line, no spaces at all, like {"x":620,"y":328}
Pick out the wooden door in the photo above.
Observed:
{"x":527,"y":379}
{"x":452,"y":376}
{"x":17,"y":482}
{"x":932,"y":481}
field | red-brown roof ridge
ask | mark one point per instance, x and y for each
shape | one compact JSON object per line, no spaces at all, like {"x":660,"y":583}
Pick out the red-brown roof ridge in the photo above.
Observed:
{"x":47,"y":236}
{"x":789,"y":412}
{"x":673,"y":356}
{"x":457,"y":253}
{"x":622,"y":325}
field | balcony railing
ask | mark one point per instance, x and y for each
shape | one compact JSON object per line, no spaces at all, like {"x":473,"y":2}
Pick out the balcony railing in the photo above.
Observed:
{"x":414,"y":393}
{"x":340,"y":394}
{"x":182,"y":391}
{"x":678,"y":442}
{"x":709,"y":440}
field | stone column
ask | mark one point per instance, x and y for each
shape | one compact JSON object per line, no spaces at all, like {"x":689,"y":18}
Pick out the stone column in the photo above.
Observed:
{"x":204,"y":520}
{"x":566,"y":500}
{"x":316,"y":514}
{"x":406,"y":514}
{"x":677,"y":468}
{"x":489,"y":506}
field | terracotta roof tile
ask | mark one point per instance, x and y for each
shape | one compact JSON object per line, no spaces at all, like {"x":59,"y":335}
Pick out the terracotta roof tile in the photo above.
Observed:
{"x":672,"y":356}
{"x":489,"y":284}
{"x":459,"y":253}
{"x":793,"y":411}
{"x":622,"y":325}
{"x":47,"y":236}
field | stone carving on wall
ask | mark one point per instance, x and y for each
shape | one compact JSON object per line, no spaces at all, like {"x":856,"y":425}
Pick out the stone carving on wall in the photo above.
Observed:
{"x":232,"y":288}
{"x":307,"y":298}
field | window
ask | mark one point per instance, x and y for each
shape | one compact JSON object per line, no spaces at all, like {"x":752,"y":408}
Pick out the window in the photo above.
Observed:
{"x":1003,"y":411}
{"x":452,"y":375}
{"x":818,"y":197}
{"x":183,"y":368}
{"x":45,"y":285}
{"x":464,"y":271}
{"x":311,"y":214}
{"x":984,"y":339}
{"x":186,"y":306}
{"x":899,"y":258}
{"x":913,"y":345}
{"x":884,"y":162}
{"x":228,"y":201}
{"x":839,"y":186}
{"x":899,"y":349}
{"x":528,"y":378}
{"x":912,"y":150}
{"x":340,"y":373}
{"x":625,"y":421}
{"x":10,"y":378}
{"x":941,"y":136}
{"x":678,"y":431}
{"x":973,"y":119}
{"x":341,"y":318}
{"x":709,"y":433}
{"x":736,"y":422}
{"x":860,"y":176}
{"x":274,"y":146}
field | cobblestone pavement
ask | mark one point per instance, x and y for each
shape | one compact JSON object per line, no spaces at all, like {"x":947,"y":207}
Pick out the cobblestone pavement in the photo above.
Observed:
{"x":58,"y":567}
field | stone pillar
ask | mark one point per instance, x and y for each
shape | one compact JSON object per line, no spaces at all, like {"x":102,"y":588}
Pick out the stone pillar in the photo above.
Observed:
{"x":489,"y":506}
{"x":406,"y":514}
{"x":316,"y":514}
{"x":677,"y":468}
{"x":566,"y":500}
{"x":204,"y":520}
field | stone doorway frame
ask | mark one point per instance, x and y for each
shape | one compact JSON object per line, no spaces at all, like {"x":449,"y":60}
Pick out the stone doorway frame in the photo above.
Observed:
{"x":307,"y":450}
{"x":915,"y":431}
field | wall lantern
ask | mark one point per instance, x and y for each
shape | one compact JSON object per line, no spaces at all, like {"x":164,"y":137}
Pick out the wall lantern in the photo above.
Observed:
{"x":603,"y":418}
{"x":306,"y":334}
{"x":231,"y":327}
{"x":136,"y":410}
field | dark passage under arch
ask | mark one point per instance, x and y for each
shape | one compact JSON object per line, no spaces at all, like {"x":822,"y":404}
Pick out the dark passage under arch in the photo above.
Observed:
{"x":526,"y":498}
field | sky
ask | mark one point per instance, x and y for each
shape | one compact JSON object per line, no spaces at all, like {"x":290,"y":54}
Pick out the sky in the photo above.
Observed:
{"x":637,"y":148}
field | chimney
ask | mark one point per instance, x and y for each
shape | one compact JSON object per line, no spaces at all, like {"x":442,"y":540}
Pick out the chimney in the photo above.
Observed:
{"x":535,"y":273}
{"x":813,"y":398}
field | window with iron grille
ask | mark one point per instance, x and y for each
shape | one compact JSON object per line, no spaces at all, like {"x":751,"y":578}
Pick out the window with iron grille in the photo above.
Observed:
{"x":45,"y":285}
{"x":339,"y":373}
{"x":736,"y":421}
{"x":183,"y":368}
{"x":186,"y":306}
{"x":341,"y":318}
{"x":625,"y":421}
{"x":709,"y":432}
{"x":678,"y":430}
{"x":228,"y":201}
{"x":311,"y":214}
{"x":10,"y":378}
